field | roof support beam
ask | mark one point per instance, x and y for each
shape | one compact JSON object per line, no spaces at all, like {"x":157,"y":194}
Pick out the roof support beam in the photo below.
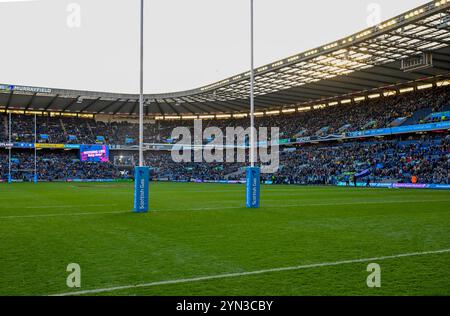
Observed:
{"x":329,"y":89}
{"x":52,"y":101}
{"x":31,"y":101}
{"x":230,"y":106}
{"x":307,"y":92}
{"x":279,"y":97}
{"x":172,"y":107}
{"x":120,"y":107}
{"x":70,"y":104}
{"x":235,"y":106}
{"x":267,"y":103}
{"x":90,"y":104}
{"x":224,"y":105}
{"x":8,"y":102}
{"x":208,"y":103}
{"x":392,"y":76}
{"x":354,"y":84}
{"x":186,"y":105}
{"x":298,"y":97}
{"x":161,"y":112}
{"x":134,"y":108}
{"x":214,"y":107}
{"x":430,"y":40}
{"x":199,"y":107}
{"x":107,"y":106}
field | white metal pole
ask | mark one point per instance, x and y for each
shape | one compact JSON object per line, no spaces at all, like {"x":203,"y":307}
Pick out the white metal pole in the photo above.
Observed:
{"x":141,"y":96}
{"x":35,"y":149}
{"x":252,"y":86}
{"x":9,"y":137}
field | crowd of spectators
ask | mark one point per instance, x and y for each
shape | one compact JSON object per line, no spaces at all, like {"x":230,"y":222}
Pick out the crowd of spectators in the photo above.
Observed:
{"x":369,"y":114}
{"x":426,"y":159}
{"x":398,"y":160}
{"x":54,"y":166}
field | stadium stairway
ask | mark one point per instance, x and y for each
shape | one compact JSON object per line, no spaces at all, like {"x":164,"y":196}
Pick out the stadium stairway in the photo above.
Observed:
{"x":240,"y":172}
{"x":63,"y":127}
{"x":370,"y":124}
{"x":5,"y":128}
{"x":417,"y":116}
{"x":90,"y":129}
{"x":398,"y":122}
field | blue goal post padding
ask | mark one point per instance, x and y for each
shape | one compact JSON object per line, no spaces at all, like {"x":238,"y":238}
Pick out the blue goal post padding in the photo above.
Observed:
{"x":141,"y":189}
{"x":253,"y":187}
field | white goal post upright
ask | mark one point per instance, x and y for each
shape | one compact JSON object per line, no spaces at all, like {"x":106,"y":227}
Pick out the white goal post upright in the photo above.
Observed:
{"x":141,"y":91}
{"x":253,"y":173}
{"x":141,"y":174}
{"x":252,"y":89}
{"x":9,"y":150}
{"x":35,"y":177}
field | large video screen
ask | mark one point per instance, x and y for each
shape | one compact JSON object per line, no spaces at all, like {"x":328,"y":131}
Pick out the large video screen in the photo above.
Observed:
{"x":94,"y":153}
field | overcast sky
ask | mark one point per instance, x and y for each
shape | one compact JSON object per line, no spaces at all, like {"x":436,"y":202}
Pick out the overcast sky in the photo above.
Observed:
{"x":94,"y":44}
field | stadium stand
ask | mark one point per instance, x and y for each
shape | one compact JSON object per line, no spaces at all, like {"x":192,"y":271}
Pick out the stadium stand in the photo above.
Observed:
{"x":394,"y":159}
{"x":388,"y":161}
{"x":55,"y":166}
{"x":412,"y":108}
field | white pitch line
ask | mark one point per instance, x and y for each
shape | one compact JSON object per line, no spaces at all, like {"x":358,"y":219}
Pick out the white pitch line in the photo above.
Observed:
{"x":69,"y":206}
{"x":241,"y":274}
{"x":65,"y":214}
{"x":302,"y":205}
{"x":363,"y":202}
{"x":219,"y":208}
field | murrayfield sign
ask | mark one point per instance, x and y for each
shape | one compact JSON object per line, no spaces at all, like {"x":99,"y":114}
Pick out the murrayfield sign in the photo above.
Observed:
{"x":25,"y":89}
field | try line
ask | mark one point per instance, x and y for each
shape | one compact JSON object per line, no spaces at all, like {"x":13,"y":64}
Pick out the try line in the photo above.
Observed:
{"x":218,"y":208}
{"x":64,"y":214}
{"x":249,"y":273}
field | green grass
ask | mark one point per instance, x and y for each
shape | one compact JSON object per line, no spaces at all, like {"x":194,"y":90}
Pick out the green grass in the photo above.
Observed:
{"x":200,"y":230}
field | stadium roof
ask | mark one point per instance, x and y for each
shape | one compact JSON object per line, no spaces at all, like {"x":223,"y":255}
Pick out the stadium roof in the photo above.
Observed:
{"x":356,"y":65}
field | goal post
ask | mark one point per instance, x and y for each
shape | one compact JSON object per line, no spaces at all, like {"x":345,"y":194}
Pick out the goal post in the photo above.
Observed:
{"x":253,"y":173}
{"x":141,"y":173}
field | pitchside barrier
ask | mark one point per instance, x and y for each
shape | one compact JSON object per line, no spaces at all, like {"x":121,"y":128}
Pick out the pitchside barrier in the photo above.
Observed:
{"x":252,"y":188}
{"x":340,"y":184}
{"x":398,"y":185}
